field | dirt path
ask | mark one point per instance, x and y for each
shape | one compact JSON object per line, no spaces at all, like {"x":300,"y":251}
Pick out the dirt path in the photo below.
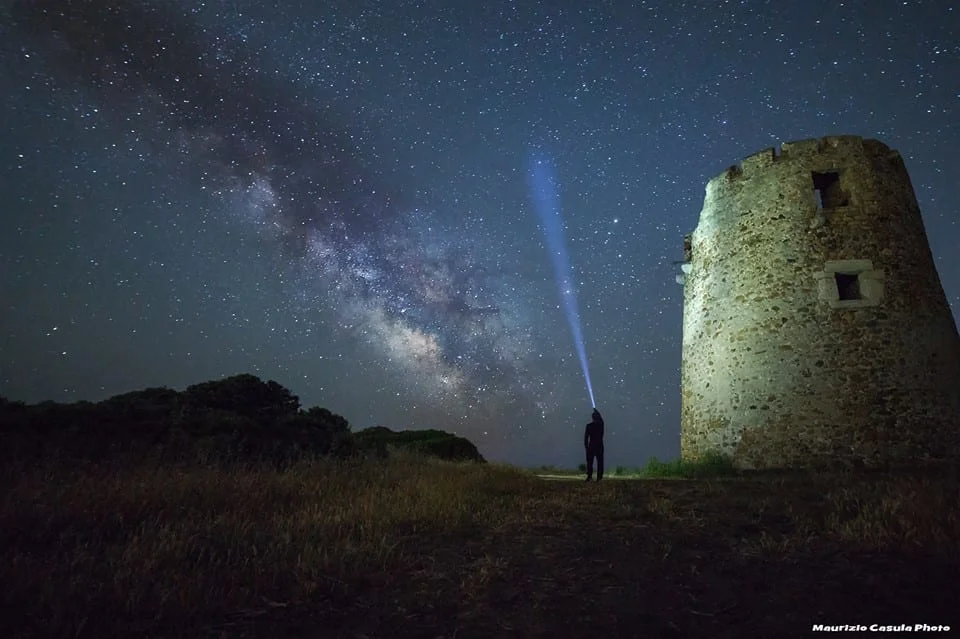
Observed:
{"x":635,"y":559}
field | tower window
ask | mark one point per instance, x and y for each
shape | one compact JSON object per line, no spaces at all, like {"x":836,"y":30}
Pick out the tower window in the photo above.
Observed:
{"x":848,"y":286}
{"x":828,"y":191}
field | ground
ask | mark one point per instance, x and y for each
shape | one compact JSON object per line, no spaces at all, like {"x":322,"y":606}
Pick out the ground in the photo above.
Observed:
{"x":667,"y":558}
{"x":472,"y":552}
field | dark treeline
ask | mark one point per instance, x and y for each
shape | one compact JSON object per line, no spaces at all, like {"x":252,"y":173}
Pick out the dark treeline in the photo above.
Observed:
{"x":239,"y":417}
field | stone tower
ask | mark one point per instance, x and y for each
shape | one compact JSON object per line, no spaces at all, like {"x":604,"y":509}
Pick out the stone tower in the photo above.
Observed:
{"x":815,"y":327}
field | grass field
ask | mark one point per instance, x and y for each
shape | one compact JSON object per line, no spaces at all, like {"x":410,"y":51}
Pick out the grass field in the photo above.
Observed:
{"x":709,"y":466}
{"x":412,"y":547}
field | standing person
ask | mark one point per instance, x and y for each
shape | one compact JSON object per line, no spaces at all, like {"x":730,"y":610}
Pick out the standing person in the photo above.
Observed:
{"x":593,"y":443}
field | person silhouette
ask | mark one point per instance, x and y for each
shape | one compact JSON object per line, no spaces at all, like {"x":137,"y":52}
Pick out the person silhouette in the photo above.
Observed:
{"x":593,"y":443}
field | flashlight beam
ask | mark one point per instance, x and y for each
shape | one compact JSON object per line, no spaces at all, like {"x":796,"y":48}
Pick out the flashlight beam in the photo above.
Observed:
{"x":543,"y":184}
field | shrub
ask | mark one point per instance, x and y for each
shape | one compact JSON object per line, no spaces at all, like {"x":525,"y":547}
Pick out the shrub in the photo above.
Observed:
{"x":710,"y":465}
{"x":435,"y":443}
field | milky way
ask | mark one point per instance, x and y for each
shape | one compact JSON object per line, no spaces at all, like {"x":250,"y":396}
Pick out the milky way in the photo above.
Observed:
{"x":414,"y":288}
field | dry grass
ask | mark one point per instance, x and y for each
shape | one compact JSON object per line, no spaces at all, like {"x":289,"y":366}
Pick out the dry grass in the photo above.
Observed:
{"x":415,"y":547}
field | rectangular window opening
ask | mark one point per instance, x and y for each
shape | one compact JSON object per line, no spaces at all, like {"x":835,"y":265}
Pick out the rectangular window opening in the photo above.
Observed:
{"x":827,"y":188}
{"x":848,"y":286}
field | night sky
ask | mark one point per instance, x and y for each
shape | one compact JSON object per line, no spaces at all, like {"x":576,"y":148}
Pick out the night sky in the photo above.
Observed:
{"x":335,"y":195}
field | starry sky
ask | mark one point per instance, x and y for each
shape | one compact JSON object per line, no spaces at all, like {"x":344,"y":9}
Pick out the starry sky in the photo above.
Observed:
{"x":336,"y":194}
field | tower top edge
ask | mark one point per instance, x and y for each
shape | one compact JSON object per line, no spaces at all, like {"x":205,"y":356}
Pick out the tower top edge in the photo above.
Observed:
{"x":809,"y":147}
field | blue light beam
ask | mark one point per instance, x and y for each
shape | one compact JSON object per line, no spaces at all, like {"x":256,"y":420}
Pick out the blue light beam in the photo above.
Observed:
{"x":546,"y":197}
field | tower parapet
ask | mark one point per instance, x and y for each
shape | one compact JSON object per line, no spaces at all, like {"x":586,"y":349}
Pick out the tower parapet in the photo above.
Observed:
{"x":815,"y":326}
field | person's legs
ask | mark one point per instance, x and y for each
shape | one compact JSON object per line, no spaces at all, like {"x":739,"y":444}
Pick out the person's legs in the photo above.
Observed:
{"x":599,"y":464}
{"x":589,"y":464}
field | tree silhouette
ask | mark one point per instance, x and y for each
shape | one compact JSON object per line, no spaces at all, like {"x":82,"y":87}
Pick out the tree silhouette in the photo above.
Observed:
{"x":150,"y":406}
{"x":240,"y":416}
{"x":319,"y":430}
{"x":244,"y":395}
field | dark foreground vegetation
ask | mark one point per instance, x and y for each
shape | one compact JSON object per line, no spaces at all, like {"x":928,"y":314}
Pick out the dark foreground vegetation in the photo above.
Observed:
{"x":240,"y":417}
{"x":215,"y":542}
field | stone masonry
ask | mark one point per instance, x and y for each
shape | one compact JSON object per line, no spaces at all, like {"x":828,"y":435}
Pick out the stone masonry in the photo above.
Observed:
{"x":815,"y":328}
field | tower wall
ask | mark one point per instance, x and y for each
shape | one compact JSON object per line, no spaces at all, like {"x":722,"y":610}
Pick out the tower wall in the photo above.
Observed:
{"x":817,"y":331}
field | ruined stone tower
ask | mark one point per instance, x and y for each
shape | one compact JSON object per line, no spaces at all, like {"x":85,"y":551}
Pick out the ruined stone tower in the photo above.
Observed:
{"x":815,"y":327}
